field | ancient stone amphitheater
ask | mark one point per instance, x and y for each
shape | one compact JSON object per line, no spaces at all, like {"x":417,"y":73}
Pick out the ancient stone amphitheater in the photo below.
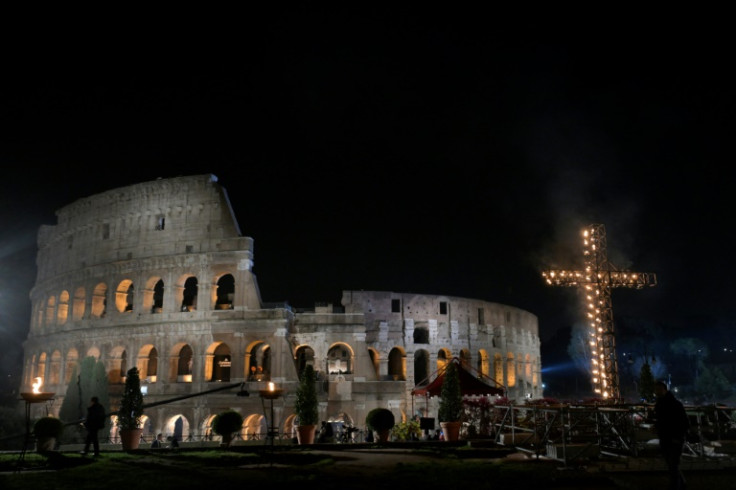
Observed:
{"x":157,"y":275}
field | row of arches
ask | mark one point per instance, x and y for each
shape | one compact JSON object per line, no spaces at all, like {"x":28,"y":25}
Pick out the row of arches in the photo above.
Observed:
{"x":179,"y":364}
{"x":60,"y":309}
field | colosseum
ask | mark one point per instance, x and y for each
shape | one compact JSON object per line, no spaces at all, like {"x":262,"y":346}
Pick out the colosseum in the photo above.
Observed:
{"x":158,"y":275}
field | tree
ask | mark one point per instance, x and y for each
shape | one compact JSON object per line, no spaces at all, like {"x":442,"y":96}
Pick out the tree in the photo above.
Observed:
{"x":695,"y":350}
{"x":131,"y":404}
{"x":646,"y":383}
{"x":712,"y":385}
{"x":306,"y":404}
{"x":451,"y":396}
{"x":88,"y":379}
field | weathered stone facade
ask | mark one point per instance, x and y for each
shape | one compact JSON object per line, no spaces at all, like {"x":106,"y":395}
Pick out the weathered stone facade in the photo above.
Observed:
{"x":157,"y":275}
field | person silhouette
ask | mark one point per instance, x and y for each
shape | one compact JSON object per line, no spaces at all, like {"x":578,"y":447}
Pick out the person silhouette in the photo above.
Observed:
{"x":672,"y":424}
{"x":94,"y":421}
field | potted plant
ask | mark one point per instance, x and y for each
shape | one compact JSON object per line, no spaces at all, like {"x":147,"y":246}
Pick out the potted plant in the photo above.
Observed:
{"x":380,"y":421}
{"x":131,"y":411}
{"x":306,"y":406}
{"x":451,"y":403}
{"x":225,"y":424}
{"x":47,"y":430}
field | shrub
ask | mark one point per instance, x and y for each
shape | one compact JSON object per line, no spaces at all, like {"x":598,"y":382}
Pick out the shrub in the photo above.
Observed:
{"x":48,"y":427}
{"x":131,"y":405}
{"x":380,"y":419}
{"x":451,"y":396}
{"x":406,"y":431}
{"x":227,"y":422}
{"x":306,"y":403}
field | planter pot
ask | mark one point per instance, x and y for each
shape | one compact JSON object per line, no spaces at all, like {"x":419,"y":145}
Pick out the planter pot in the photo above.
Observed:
{"x":451,"y":430}
{"x":305,"y":434}
{"x":130,"y":438}
{"x":45,"y":444}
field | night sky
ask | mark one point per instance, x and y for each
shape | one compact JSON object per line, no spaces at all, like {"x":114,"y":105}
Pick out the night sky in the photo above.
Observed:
{"x":438,"y":153}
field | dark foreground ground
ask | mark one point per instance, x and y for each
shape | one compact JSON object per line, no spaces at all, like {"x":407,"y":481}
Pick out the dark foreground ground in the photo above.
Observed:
{"x":347,"y":467}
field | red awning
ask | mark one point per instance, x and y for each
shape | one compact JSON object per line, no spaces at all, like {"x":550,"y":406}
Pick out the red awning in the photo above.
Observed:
{"x":469,"y":383}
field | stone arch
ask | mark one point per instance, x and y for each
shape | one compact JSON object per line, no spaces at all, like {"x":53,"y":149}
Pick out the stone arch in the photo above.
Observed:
{"x":187,"y":288}
{"x":510,"y":370}
{"x":218,"y":360}
{"x":148,"y":363}
{"x":62,"y":311}
{"x":254,"y":426}
{"x":421,"y":335}
{"x":124,"y":296}
{"x":528,"y":368}
{"x":498,"y":368}
{"x":375,"y":358}
{"x":153,"y":295}
{"x":303,"y":356}
{"x":93,"y":351}
{"x":182,"y":363}
{"x":72,"y":359}
{"x":177,"y":426}
{"x":55,"y":368}
{"x":258,"y":361}
{"x":50,"y":310}
{"x":117,"y":365}
{"x":421,"y":367}
{"x":340,"y":359}
{"x":397,"y":364}
{"x":290,"y":426}
{"x":443,"y":357}
{"x":223,"y":292}
{"x":41,"y":367}
{"x":207,"y":432}
{"x":99,"y":300}
{"x":78,"y":305}
{"x":465,"y":357}
{"x":484,"y":363}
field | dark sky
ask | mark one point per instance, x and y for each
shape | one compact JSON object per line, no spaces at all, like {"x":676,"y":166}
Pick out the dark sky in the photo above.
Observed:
{"x":438,"y":153}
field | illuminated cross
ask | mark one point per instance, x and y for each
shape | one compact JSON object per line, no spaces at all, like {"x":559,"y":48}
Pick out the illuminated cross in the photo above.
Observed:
{"x":598,"y":279}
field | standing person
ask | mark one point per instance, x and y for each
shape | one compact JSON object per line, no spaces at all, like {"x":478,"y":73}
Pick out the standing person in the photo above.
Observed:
{"x":158,"y":442}
{"x":671,"y":424}
{"x":93,"y":423}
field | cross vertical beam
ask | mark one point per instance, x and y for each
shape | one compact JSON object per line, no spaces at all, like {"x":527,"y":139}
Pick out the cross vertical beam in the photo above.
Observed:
{"x":597,"y":279}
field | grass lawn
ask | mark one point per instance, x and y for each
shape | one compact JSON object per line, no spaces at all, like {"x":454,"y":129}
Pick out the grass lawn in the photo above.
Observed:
{"x":241,"y":469}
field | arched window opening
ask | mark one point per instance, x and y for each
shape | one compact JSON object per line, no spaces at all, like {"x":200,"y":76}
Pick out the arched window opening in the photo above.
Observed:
{"x":304,"y":357}
{"x":189,"y":300}
{"x":124,"y":296}
{"x":421,"y":335}
{"x":184,"y":368}
{"x":148,"y":364}
{"x":375,"y":361}
{"x":50,"y":310}
{"x":225,"y":292}
{"x":421,"y":368}
{"x":78,"y":304}
{"x":41,"y":368}
{"x":62,"y":312}
{"x":55,"y":368}
{"x":99,"y":301}
{"x":72,"y":358}
{"x":339,"y":360}
{"x":443,"y":357}
{"x":510,"y":370}
{"x":396,"y":365}
{"x":221,"y":362}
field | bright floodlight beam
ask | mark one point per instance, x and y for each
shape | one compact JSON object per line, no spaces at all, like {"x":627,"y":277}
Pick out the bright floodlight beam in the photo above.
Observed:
{"x":597,"y":279}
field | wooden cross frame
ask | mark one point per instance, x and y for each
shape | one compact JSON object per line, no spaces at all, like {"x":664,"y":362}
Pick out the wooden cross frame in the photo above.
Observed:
{"x":598,"y":278}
